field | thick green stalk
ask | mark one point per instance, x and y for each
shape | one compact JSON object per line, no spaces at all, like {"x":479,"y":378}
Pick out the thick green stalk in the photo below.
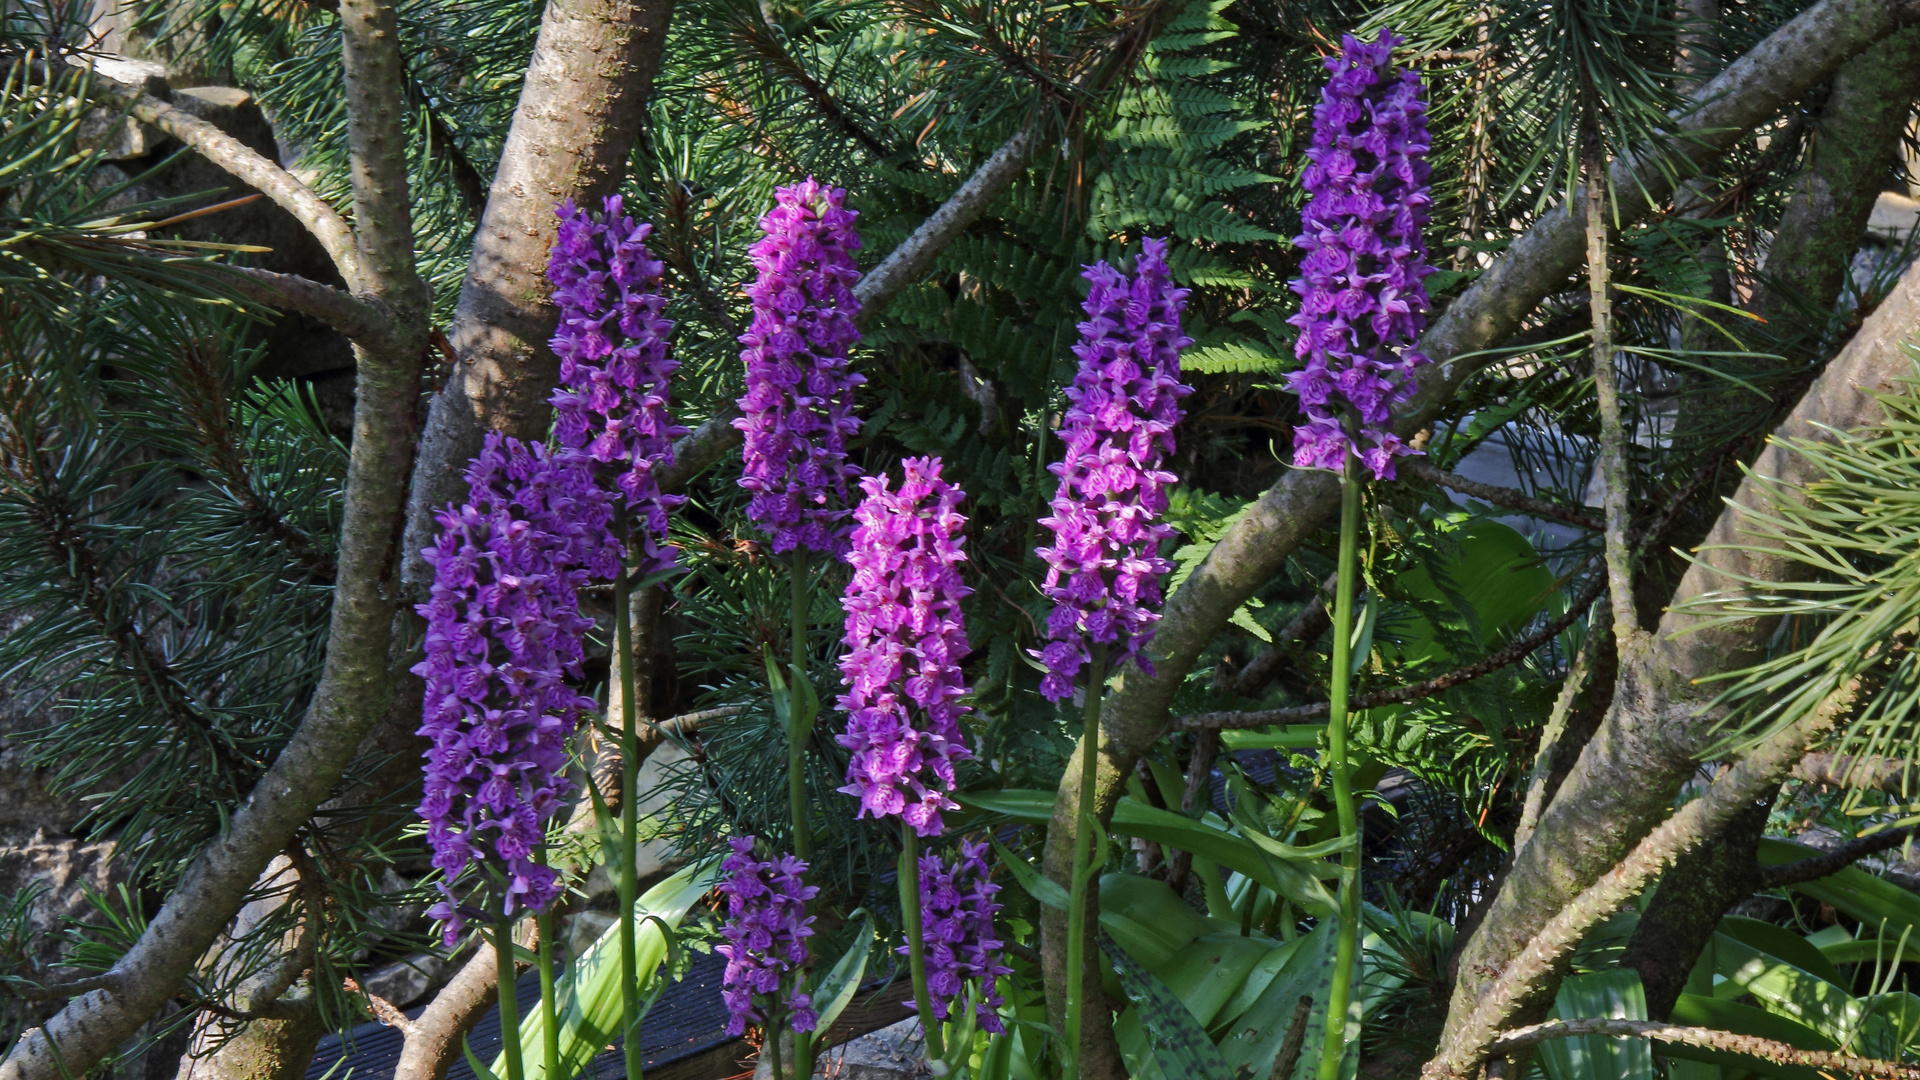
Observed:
{"x":549,"y":1012}
{"x":909,"y":876}
{"x":797,"y":768}
{"x":1083,"y":900}
{"x":1348,"y":942}
{"x":629,"y":885}
{"x":509,"y":1007}
{"x":796,"y":748}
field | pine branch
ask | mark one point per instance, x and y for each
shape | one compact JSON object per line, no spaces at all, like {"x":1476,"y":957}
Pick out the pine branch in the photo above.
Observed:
{"x":750,"y":28}
{"x":74,"y":561}
{"x":467,"y":181}
{"x":202,"y":398}
{"x":1753,"y":1046}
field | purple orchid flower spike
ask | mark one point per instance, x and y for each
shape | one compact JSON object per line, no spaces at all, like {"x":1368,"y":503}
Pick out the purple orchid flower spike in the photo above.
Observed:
{"x":1361,"y":297}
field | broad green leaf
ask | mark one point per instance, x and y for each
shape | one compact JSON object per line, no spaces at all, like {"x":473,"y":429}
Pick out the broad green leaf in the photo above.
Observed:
{"x":1783,"y":943}
{"x":1781,"y":987}
{"x":838,"y":986}
{"x":1178,"y":1044}
{"x":1037,"y":885}
{"x":1250,"y":1040}
{"x":1153,"y":905}
{"x":479,"y":1067}
{"x":1613,"y":994}
{"x":1209,"y":973}
{"x":795,"y":705}
{"x":1291,"y":872}
{"x":589,"y":995}
{"x":1900,"y":1012}
{"x":1869,"y":950}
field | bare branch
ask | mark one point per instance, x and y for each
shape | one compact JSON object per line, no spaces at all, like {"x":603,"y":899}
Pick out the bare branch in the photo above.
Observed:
{"x":1470,"y":1040}
{"x":247,"y":165}
{"x":1500,"y":496}
{"x":383,"y":1010}
{"x":56,"y":991}
{"x":1310,"y":623}
{"x":1845,"y":771}
{"x":1554,"y":731}
{"x":1514,"y":652}
{"x":1832,"y":862}
{"x":364,"y":321}
{"x":1708,"y":1039}
{"x":1206,"y":749}
{"x":1615,"y":472}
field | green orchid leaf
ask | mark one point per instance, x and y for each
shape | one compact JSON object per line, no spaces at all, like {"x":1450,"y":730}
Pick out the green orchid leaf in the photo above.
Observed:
{"x":1181,"y":1047}
{"x":837,"y":987}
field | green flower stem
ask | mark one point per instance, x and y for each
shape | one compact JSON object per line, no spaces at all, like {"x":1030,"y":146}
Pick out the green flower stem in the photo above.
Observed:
{"x":909,"y":877}
{"x":628,"y":884}
{"x":509,"y":1007}
{"x":772,"y":1035}
{"x":796,"y":749}
{"x":549,"y":1013}
{"x":1348,"y":941}
{"x":797,"y":768}
{"x":1083,"y":900}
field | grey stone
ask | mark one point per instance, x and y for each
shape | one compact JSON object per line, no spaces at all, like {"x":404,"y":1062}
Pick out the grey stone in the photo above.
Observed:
{"x":408,"y":982}
{"x":892,"y":1053}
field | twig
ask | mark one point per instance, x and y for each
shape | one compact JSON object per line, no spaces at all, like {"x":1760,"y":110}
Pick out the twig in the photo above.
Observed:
{"x":1206,"y":749}
{"x":383,"y":1010}
{"x":752,"y":30}
{"x":1309,"y":624}
{"x":108,"y":981}
{"x":1502,"y":496}
{"x":1845,"y":771}
{"x":1708,"y":1039}
{"x":245,"y":164}
{"x":1832,"y":862}
{"x":1536,"y":798}
{"x":1614,"y":472}
{"x":1296,"y":1039}
{"x":1515,"y":651}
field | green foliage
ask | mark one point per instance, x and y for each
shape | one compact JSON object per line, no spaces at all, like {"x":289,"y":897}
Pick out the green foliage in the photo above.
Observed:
{"x":1851,"y":531}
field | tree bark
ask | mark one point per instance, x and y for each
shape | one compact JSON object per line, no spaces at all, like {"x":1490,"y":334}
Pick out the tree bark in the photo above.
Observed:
{"x":266,"y":1049}
{"x":1780,"y":68}
{"x":1856,"y":138}
{"x":573,"y":130}
{"x":353,"y":687}
{"x":1656,"y":726}
{"x":1702,"y":886}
